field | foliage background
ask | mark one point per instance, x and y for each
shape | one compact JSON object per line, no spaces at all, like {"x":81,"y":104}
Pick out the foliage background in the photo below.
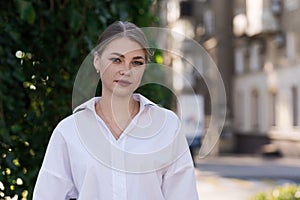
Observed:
{"x":52,"y":38}
{"x":285,"y":192}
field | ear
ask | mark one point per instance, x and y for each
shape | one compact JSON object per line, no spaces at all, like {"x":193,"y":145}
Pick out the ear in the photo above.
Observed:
{"x":97,"y":62}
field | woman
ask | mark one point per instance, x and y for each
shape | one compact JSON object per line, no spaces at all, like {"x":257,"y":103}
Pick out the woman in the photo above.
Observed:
{"x":120,"y":145}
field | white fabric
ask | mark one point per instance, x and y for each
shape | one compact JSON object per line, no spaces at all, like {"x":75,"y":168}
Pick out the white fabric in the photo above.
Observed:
{"x":69,"y":170}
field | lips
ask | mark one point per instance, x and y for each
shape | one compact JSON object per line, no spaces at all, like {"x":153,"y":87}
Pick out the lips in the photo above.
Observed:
{"x":123,"y":83}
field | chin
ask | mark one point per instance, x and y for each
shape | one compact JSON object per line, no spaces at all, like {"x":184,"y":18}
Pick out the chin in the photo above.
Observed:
{"x":122,"y":92}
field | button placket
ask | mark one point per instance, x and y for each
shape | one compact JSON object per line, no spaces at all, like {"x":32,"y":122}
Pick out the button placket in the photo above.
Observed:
{"x":119,"y":177}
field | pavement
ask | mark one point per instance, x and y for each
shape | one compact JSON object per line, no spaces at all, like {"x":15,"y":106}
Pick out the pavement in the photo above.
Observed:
{"x":241,"y":177}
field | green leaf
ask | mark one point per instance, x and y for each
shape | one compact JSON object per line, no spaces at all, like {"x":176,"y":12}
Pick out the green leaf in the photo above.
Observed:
{"x":75,"y":19}
{"x":26,"y":11}
{"x":16,"y":128}
{"x":60,"y":34}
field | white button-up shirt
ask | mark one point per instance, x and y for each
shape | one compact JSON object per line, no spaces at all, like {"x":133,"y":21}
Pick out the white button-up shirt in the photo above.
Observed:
{"x":148,"y":162}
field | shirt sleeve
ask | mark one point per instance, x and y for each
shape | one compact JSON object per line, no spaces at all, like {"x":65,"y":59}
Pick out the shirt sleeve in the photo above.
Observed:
{"x":55,"y":178}
{"x":179,"y":181}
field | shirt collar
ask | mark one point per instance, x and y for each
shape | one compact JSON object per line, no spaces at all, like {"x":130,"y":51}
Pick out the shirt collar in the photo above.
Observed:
{"x":90,"y":104}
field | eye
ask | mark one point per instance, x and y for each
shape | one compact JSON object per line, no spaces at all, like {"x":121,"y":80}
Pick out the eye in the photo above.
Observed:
{"x":138,"y":63}
{"x":115,"y":60}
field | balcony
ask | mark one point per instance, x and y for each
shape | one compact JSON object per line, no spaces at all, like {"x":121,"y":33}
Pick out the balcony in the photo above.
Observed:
{"x":260,"y":17}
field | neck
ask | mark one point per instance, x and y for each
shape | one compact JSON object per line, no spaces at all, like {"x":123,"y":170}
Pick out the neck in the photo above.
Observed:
{"x":117,"y":112}
{"x":118,"y":109}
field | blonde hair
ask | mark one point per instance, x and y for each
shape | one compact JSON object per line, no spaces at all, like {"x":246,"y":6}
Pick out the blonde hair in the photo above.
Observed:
{"x":123,"y":29}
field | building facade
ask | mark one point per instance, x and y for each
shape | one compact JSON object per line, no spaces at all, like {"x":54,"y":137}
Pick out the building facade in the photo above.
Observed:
{"x":209,"y":23}
{"x":266,"y":82}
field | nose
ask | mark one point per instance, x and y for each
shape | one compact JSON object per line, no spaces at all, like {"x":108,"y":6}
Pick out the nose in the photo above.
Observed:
{"x":125,"y":69}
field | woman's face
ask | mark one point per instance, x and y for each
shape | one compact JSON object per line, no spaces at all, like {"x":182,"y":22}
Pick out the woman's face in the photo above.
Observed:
{"x":121,"y":67}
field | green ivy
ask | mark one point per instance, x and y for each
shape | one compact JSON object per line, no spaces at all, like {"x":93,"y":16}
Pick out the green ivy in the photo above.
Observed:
{"x":42,"y":44}
{"x":288,"y":192}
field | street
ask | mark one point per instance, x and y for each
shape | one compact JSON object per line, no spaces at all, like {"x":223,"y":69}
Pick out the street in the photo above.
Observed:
{"x":241,"y":177}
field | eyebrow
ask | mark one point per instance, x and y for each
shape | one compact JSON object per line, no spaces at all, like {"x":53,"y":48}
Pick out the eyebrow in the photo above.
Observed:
{"x":122,"y":56}
{"x":118,"y":54}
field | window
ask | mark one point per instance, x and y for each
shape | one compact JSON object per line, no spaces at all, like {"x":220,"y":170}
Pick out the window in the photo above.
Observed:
{"x":276,"y":6}
{"x":290,"y":46}
{"x":255,"y":109}
{"x":254,"y":59}
{"x":209,"y":19}
{"x":272,"y":108}
{"x":239,"y":60}
{"x":239,"y":110}
{"x":186,"y":8}
{"x":295,"y":106}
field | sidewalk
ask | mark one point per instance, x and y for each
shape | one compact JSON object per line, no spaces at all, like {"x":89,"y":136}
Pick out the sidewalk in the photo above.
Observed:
{"x":241,"y":177}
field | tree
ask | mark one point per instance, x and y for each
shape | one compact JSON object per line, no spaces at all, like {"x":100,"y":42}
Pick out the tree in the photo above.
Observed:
{"x":42,"y":44}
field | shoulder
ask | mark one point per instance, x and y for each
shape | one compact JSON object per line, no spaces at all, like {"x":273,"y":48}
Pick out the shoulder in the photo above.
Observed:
{"x":167,"y":118}
{"x":65,"y":129}
{"x":65,"y":123}
{"x":156,"y":108}
{"x":159,"y":114}
{"x":70,"y":121}
{"x":166,"y":112}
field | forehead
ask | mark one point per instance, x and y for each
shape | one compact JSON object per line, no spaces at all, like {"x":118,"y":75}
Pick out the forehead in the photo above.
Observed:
{"x":124,"y":46}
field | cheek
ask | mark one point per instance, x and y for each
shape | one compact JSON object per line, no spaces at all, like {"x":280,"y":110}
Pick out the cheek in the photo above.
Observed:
{"x":106,"y":76}
{"x":103,"y":67}
{"x":107,"y":70}
{"x":140,"y":73}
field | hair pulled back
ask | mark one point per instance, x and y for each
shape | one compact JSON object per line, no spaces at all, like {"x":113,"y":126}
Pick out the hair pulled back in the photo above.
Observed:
{"x":121,"y":29}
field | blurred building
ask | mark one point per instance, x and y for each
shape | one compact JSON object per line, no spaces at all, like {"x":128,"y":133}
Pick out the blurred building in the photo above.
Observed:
{"x":255,"y":47}
{"x":208,"y":22}
{"x":267,"y":81}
